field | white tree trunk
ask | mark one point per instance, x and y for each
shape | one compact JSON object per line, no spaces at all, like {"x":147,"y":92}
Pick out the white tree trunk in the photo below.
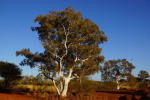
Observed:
{"x":58,"y":91}
{"x":65,"y":89}
{"x":62,"y":91}
{"x":67,"y":80}
{"x":118,"y":86}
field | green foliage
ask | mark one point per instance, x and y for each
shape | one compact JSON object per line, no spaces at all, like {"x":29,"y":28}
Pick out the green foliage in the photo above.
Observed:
{"x":132,"y":81}
{"x":1,"y":83}
{"x":48,"y":83}
{"x":89,"y":86}
{"x":71,"y":46}
{"x":115,"y":70}
{"x":9,"y":72}
{"x":143,"y":85}
{"x":106,"y":85}
{"x":35,"y":80}
{"x":81,"y":88}
{"x":69,"y":40}
{"x":143,"y":75}
{"x":21,"y":88}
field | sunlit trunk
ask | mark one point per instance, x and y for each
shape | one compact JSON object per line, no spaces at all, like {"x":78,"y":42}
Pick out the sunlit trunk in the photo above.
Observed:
{"x":64,"y":92}
{"x":62,"y":88}
{"x":58,"y":91}
{"x":118,"y":86}
{"x":65,"y":88}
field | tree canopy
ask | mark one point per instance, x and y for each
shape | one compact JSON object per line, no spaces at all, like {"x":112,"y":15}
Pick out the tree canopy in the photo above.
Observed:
{"x":143,"y":75}
{"x":9,"y":72}
{"x":71,"y":45}
{"x":115,"y":70}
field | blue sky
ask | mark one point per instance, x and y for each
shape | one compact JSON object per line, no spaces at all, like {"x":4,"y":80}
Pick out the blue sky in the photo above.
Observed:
{"x":125,"y":22}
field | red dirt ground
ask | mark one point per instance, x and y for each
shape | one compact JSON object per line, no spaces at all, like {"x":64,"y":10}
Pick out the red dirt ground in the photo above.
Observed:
{"x":14,"y":97}
{"x":109,"y":95}
{"x":117,"y":95}
{"x":99,"y":95}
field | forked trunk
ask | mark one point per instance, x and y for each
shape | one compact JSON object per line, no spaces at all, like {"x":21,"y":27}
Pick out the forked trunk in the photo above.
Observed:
{"x":62,"y":91}
{"x":65,"y":87}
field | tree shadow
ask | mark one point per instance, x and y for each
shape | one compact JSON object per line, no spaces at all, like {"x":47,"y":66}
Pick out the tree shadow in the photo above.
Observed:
{"x":119,"y":92}
{"x":123,"y":97}
{"x":145,"y":96}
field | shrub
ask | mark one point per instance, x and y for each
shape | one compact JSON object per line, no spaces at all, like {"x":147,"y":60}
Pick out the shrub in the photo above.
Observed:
{"x":20,"y":88}
{"x":106,"y":86}
{"x":143,"y":85}
{"x":1,"y":83}
{"x":48,"y":83}
{"x":85,"y":87}
{"x":142,"y":91}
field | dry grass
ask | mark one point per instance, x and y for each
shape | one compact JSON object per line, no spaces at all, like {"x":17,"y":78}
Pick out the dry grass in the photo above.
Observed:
{"x":39,"y":88}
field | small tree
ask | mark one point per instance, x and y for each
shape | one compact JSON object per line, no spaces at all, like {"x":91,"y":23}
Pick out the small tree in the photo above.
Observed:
{"x":87,"y":86}
{"x":39,"y":79}
{"x":9,"y":72}
{"x":143,"y":75}
{"x":143,"y":79}
{"x":115,"y":70}
{"x":71,"y":44}
{"x":132,"y":81}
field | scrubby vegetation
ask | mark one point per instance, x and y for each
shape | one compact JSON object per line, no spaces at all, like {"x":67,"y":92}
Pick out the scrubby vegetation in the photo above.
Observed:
{"x":41,"y":88}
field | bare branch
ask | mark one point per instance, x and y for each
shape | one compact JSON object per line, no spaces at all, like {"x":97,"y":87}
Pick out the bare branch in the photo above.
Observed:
{"x":55,"y":55}
{"x":66,"y":40}
{"x":83,"y":60}
{"x":70,"y":45}
{"x":66,"y":51}
{"x":56,"y":87}
{"x":70,"y":72}
{"x":75,"y":76}
{"x":60,"y":68}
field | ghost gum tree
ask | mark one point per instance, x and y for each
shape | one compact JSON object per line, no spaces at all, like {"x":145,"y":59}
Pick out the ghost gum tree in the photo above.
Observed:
{"x":115,"y":70}
{"x":71,"y":46}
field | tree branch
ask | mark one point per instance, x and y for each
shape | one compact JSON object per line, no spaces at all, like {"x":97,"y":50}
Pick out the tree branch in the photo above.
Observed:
{"x":76,"y":59}
{"x":66,"y":51}
{"x":66,"y":40}
{"x":70,"y":73}
{"x":55,"y":55}
{"x":56,"y":87}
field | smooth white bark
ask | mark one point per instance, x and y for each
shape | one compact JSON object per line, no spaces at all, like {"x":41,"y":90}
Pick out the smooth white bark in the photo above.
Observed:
{"x":65,"y":79}
{"x":65,"y":89}
{"x":58,"y":91}
{"x":63,"y":86}
{"x":118,"y":86}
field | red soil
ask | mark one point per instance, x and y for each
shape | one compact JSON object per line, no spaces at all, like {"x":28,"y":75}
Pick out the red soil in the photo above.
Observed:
{"x":99,"y":95}
{"x":114,"y":95}
{"x":14,"y":97}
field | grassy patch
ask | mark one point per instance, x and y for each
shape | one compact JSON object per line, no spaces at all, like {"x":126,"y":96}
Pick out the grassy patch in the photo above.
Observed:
{"x":36,"y":88}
